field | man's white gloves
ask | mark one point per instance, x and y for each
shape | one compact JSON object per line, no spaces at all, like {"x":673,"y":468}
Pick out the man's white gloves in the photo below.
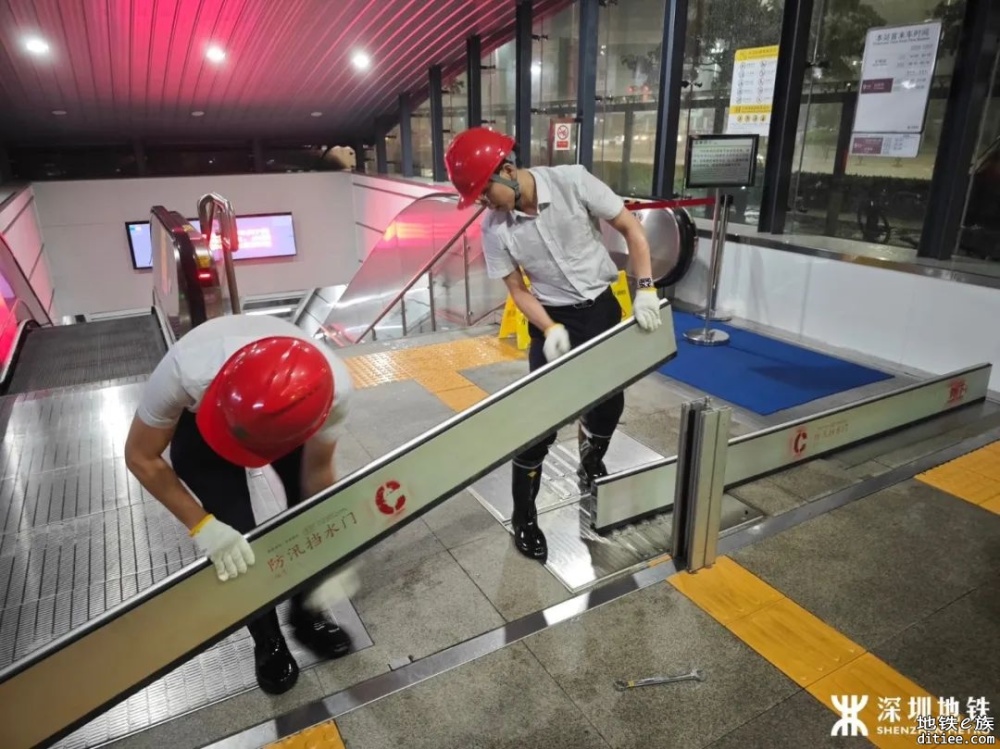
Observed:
{"x":225,"y":546}
{"x":646,"y":309}
{"x":556,"y":342}
{"x":339,"y":586}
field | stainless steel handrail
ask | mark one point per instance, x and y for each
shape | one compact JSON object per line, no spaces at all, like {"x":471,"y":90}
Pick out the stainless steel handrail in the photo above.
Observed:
{"x":425,"y":268}
{"x":207,"y":205}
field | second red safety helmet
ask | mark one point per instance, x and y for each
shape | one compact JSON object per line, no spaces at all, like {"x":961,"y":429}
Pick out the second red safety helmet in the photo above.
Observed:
{"x":268,"y":398}
{"x":472,"y":158}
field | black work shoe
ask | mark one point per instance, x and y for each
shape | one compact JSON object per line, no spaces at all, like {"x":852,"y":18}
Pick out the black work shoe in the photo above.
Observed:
{"x":277,"y":671}
{"x":321,"y":635}
{"x":528,"y":537}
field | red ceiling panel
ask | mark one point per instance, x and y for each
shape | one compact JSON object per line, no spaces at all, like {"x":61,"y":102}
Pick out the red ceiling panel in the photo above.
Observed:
{"x":125,"y":69}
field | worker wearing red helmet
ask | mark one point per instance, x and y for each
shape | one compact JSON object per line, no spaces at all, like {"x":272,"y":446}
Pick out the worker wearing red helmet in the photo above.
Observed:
{"x":544,"y":222}
{"x":239,"y":392}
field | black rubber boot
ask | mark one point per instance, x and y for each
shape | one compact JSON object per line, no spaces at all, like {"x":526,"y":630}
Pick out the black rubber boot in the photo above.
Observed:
{"x":528,"y":537}
{"x":592,"y":452}
{"x":319,"y":633}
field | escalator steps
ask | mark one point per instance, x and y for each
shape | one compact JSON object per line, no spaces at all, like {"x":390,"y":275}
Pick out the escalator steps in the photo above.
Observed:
{"x":67,"y":355}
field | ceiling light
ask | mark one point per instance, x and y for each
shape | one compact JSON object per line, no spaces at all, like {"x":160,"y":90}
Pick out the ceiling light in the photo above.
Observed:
{"x":317,"y":114}
{"x":59,"y":112}
{"x":197,"y":113}
{"x":360,"y":60}
{"x":37,"y":46}
{"x":215,"y":54}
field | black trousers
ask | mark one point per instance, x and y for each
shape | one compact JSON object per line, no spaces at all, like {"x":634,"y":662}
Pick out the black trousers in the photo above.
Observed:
{"x":582,"y":322}
{"x":223,"y":490}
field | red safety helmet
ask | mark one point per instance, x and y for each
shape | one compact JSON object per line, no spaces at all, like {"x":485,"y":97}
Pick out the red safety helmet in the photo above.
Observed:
{"x":268,"y":398}
{"x":472,"y":158}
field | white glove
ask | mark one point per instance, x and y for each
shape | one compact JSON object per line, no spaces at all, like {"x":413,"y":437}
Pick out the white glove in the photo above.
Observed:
{"x":646,"y":309}
{"x":339,"y":586}
{"x":556,"y":342}
{"x":226,"y":547}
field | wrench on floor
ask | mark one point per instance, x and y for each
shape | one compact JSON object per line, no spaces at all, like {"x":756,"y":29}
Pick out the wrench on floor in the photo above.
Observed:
{"x":621,"y":686}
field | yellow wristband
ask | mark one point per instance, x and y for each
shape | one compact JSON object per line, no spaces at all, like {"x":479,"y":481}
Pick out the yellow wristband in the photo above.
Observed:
{"x":201,"y":524}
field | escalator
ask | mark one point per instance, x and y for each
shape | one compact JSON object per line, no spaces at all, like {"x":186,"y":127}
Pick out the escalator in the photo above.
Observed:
{"x":427,"y":273}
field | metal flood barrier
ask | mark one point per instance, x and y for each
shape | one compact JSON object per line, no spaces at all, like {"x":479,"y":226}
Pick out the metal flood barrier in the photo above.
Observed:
{"x":649,"y":489}
{"x":79,"y":675}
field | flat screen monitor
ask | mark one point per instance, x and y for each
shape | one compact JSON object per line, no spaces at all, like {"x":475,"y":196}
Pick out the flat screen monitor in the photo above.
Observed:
{"x":262,"y":235}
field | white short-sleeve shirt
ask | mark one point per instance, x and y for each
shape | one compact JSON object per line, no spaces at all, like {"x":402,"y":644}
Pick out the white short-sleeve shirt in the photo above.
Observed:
{"x":181,"y":378}
{"x":560,"y":249}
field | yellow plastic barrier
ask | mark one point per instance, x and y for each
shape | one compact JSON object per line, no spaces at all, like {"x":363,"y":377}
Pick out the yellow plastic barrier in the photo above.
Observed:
{"x":515,"y":323}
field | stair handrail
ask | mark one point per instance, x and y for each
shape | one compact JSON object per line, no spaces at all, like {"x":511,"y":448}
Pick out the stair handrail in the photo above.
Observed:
{"x":425,"y":267}
{"x":208,"y":204}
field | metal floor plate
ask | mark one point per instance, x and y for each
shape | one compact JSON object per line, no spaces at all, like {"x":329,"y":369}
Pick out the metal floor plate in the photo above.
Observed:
{"x":78,"y":535}
{"x":579,"y":557}
{"x":559,"y":484}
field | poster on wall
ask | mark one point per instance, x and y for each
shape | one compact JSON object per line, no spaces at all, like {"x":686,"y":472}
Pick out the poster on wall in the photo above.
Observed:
{"x":896,"y":76}
{"x":894,"y":145}
{"x":751,"y":95}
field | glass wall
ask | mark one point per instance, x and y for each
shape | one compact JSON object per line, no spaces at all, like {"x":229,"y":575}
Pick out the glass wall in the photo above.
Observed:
{"x":554,"y":83}
{"x":455,"y":106}
{"x":980,"y":235}
{"x":420,"y":128}
{"x":393,"y":152}
{"x":628,"y":78}
{"x":717,"y":30}
{"x":835,"y":190}
{"x":498,"y":87}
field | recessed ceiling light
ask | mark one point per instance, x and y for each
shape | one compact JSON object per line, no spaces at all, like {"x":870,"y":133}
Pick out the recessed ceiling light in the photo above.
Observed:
{"x":317,"y":114}
{"x":36,"y":45}
{"x":197,"y":113}
{"x":360,"y":60}
{"x":215,"y":54}
{"x":59,"y":112}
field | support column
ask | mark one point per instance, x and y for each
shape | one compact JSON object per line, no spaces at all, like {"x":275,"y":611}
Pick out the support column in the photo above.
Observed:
{"x":381,"y":156}
{"x":437,"y":124}
{"x":669,"y":96}
{"x":405,"y":137}
{"x":522,"y":89}
{"x":792,"y":51}
{"x":586,"y":94}
{"x":474,"y":80}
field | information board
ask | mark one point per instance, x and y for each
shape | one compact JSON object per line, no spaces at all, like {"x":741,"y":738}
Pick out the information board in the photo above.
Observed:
{"x":751,"y":95}
{"x":895,"y":145}
{"x":896,"y":77}
{"x":721,"y":160}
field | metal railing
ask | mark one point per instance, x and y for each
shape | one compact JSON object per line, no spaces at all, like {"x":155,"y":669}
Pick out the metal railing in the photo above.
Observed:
{"x":8,"y":358}
{"x":211,"y":205}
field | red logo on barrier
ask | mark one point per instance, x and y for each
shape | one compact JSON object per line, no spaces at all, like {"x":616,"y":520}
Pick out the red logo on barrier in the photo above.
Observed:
{"x":957,"y":390}
{"x":799,"y":441}
{"x":386,"y":499}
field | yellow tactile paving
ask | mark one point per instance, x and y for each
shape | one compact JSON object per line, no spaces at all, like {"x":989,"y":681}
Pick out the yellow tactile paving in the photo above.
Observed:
{"x":462,"y":398}
{"x":993,"y":505}
{"x":320,"y":736}
{"x":440,"y":380}
{"x":809,"y":651}
{"x":974,"y":477}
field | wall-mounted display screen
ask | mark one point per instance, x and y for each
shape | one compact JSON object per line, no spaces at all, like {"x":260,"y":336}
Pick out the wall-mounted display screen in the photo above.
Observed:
{"x":260,"y":236}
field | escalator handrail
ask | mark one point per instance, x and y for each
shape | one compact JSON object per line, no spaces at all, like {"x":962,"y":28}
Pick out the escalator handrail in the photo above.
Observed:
{"x":229,"y":237}
{"x":31,"y":289}
{"x":117,"y":653}
{"x":11,"y":355}
{"x":176,"y":226}
{"x":425,"y":267}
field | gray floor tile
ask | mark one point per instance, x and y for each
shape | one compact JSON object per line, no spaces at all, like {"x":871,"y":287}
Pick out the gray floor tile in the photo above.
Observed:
{"x":217,"y":721}
{"x":418,"y":609}
{"x":657,"y":430}
{"x":515,"y":585}
{"x":387,"y":416}
{"x":494,"y":377}
{"x":813,"y":479}
{"x":502,"y":700}
{"x":460,"y":520}
{"x":879,"y":565}
{"x":339,"y":674}
{"x":767,"y":497}
{"x":954,"y":652}
{"x":401,"y":551}
{"x":656,"y":631}
{"x":800,"y":722}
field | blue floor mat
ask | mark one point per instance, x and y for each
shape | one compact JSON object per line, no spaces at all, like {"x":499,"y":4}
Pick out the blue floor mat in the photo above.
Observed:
{"x":758,"y":373}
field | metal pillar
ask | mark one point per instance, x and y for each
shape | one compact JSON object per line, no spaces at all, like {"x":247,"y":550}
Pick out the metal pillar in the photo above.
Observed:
{"x":792,"y":52}
{"x":6,"y":172}
{"x":967,"y":100}
{"x":381,"y":156}
{"x":586,"y":93}
{"x":669,"y":96}
{"x":522,"y":88}
{"x":140,"y":158}
{"x":474,"y":80}
{"x":437,"y":125}
{"x":259,"y":164}
{"x":701,"y":473}
{"x":405,"y":137}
